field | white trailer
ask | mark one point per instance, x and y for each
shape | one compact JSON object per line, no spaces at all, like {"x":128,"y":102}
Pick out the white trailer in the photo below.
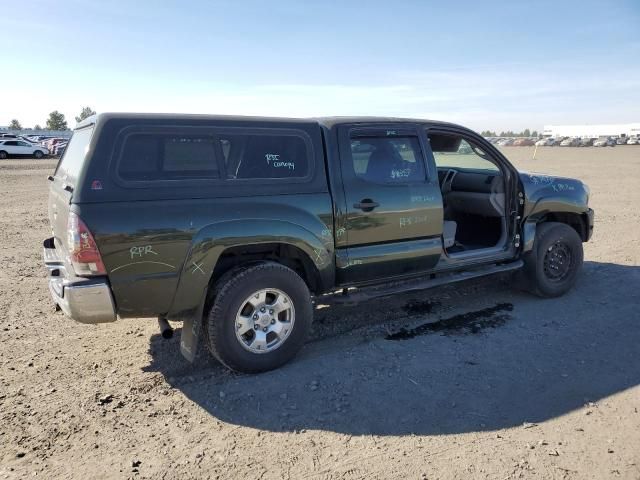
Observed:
{"x":608,"y":130}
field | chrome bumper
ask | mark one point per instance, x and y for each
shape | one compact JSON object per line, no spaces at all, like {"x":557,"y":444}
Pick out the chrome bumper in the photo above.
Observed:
{"x":86,"y":300}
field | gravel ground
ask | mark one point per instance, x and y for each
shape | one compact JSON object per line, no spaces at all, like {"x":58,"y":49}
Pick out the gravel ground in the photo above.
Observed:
{"x":500,"y":385}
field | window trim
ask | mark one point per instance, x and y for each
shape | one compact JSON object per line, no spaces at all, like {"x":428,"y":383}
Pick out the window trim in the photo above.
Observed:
{"x":216,"y":132}
{"x":400,"y":131}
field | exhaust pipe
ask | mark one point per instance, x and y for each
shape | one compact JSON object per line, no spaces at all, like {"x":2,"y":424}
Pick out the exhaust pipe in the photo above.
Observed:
{"x":165,"y":328}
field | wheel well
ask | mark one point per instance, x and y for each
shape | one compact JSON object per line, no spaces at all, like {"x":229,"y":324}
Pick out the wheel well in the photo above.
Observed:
{"x":574,"y":220}
{"x":283,"y":253}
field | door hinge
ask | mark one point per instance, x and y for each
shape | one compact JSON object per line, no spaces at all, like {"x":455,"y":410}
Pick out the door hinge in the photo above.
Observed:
{"x":516,"y":240}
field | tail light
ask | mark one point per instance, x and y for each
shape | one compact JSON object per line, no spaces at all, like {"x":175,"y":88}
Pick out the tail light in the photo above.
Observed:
{"x":84,"y":253}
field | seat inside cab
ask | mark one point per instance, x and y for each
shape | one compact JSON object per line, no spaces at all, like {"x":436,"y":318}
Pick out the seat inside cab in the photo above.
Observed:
{"x":473,"y":194}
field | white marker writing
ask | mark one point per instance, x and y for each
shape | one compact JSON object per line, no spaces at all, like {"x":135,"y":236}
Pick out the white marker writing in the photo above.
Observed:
{"x":407,"y":221}
{"x":142,"y":250}
{"x":404,"y":173}
{"x":289,"y":165}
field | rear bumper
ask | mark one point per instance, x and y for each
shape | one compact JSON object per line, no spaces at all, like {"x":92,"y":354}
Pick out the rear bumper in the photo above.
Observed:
{"x":589,"y":224}
{"x":86,"y":300}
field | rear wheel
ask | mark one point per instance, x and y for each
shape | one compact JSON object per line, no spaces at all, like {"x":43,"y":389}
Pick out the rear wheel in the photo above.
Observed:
{"x":260,"y":318}
{"x":552,"y":268}
{"x":3,"y":154}
{"x":38,"y":154}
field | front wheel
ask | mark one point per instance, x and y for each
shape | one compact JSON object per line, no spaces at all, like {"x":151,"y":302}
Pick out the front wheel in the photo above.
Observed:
{"x":38,"y":154}
{"x":260,"y":318}
{"x":551,"y":269}
{"x":3,"y":155}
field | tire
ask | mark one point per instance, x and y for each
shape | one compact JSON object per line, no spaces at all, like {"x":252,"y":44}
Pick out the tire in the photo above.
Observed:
{"x":38,"y":154}
{"x":273,"y":338}
{"x":3,"y":155}
{"x":551,"y":269}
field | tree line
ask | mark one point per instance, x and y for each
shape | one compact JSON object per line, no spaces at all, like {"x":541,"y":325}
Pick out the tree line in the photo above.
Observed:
{"x":56,"y":121}
{"x":525,"y":133}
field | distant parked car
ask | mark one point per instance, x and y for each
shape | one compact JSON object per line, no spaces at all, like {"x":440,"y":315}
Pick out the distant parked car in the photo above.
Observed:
{"x":621,"y":140}
{"x":26,"y":139}
{"x":51,"y":142}
{"x":604,"y":142}
{"x":633,"y":141}
{"x":58,"y":148}
{"x":505,"y":142}
{"x":586,"y":142}
{"x":7,"y":135}
{"x":547,"y":142}
{"x":523,"y":142}
{"x":555,"y":142}
{"x":570,"y":142}
{"x":21,"y":148}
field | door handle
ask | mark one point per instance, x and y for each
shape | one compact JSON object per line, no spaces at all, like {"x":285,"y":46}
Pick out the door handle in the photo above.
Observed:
{"x":366,"y":205}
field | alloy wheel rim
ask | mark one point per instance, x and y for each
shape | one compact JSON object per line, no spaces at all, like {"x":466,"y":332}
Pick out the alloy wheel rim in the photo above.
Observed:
{"x":557,"y":262}
{"x":264,"y":320}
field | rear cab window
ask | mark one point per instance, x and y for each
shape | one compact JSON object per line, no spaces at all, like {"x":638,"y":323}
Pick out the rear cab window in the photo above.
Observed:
{"x":72,"y":160}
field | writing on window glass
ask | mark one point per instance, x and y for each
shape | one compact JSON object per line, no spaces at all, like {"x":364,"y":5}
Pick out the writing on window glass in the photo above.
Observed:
{"x":273,"y":159}
{"x":400,"y":173}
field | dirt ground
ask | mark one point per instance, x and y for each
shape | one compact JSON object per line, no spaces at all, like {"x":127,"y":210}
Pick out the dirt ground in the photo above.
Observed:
{"x":505,"y":385}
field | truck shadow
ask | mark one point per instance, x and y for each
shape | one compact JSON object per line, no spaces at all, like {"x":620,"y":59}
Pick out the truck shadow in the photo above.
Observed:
{"x":498,"y":359}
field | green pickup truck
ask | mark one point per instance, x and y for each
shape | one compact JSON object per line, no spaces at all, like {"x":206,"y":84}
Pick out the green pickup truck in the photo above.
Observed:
{"x":234,"y":224}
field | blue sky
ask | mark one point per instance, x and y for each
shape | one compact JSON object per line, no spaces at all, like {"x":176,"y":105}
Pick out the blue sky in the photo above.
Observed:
{"x":485,"y":64}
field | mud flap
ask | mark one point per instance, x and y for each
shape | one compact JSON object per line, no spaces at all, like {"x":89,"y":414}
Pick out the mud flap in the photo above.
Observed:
{"x":189,"y":339}
{"x":522,"y":279}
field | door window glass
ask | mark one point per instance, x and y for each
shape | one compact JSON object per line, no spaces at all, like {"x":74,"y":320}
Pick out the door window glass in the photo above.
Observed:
{"x":387,"y":159}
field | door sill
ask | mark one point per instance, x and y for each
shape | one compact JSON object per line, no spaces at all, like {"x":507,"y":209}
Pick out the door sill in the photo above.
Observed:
{"x":434,"y":280}
{"x":475,"y":253}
